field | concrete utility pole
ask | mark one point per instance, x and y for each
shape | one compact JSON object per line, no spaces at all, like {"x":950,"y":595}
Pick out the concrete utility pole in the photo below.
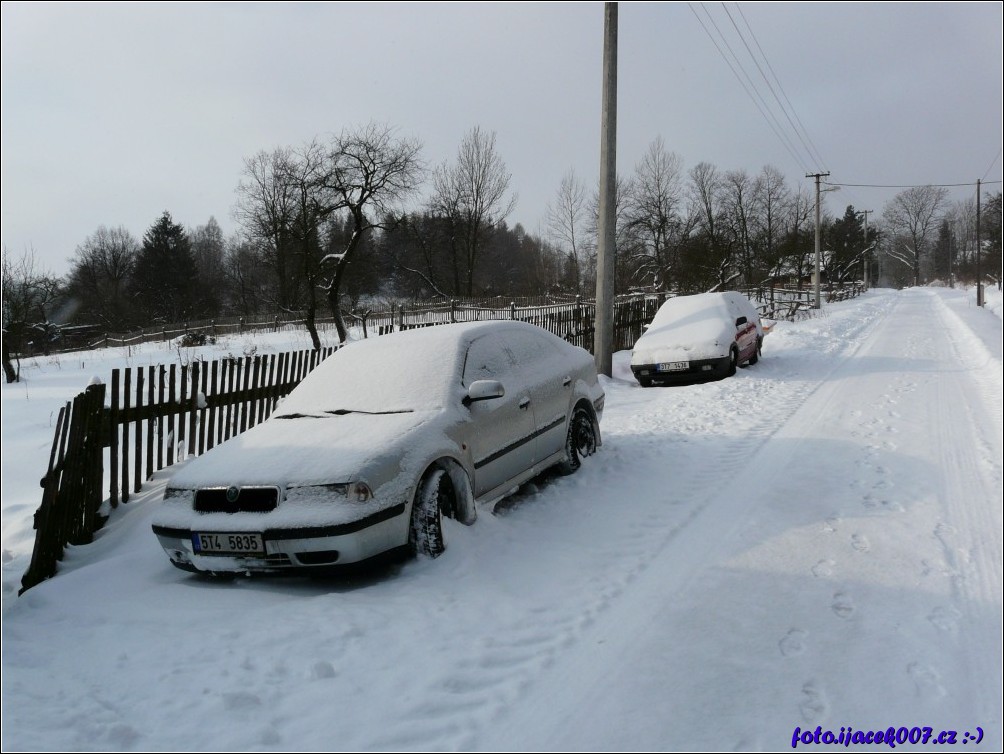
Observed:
{"x":819,"y":263}
{"x":979,"y":278}
{"x":603,"y":336}
{"x":866,"y":212}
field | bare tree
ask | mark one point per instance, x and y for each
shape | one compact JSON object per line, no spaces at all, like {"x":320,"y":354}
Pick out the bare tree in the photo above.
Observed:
{"x":472,"y":194}
{"x":246,"y":277}
{"x":707,"y":202}
{"x":796,"y":247}
{"x":566,"y":219}
{"x":911,"y":217}
{"x":307,"y":172}
{"x":369,"y":171}
{"x":208,"y":248}
{"x":28,"y":291}
{"x":742,"y":219}
{"x":624,"y":242}
{"x":657,"y":216}
{"x":266,"y":206}
{"x":771,"y":197}
{"x":99,"y":277}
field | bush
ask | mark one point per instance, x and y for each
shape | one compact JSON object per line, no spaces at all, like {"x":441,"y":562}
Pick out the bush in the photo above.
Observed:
{"x":192,"y":339}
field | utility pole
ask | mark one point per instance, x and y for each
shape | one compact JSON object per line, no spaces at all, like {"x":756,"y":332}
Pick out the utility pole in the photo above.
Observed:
{"x":979,"y":276}
{"x":603,"y":335}
{"x":817,"y":176}
{"x":866,"y":212}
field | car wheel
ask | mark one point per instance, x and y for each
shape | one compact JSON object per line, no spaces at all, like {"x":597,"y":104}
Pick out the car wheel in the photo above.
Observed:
{"x":580,"y":442}
{"x":434,"y":497}
{"x":645,"y":381}
{"x":733,"y":361}
{"x":756,"y":352}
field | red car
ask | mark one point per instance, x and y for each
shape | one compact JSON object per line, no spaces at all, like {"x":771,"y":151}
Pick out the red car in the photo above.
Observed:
{"x":698,"y":338}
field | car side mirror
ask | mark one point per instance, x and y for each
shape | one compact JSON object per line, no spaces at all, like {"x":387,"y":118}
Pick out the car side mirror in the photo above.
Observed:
{"x":483,"y":390}
{"x":741,"y":321}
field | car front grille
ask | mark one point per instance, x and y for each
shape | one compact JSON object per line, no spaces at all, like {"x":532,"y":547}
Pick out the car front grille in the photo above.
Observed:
{"x":236,"y":499}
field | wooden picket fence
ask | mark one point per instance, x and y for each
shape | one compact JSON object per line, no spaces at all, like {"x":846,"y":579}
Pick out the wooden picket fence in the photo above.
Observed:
{"x":146,"y":419}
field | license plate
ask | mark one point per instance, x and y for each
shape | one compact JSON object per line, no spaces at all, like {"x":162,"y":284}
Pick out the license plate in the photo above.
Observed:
{"x":228,"y":543}
{"x":673,"y":366}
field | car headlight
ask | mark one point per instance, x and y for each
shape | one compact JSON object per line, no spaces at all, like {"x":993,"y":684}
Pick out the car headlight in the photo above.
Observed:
{"x":359,"y":492}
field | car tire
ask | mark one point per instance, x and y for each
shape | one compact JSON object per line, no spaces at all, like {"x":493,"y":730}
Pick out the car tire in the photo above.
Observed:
{"x":580,"y":442}
{"x":435,"y":494}
{"x":756,"y":351}
{"x":733,"y":361}
{"x":645,"y":381}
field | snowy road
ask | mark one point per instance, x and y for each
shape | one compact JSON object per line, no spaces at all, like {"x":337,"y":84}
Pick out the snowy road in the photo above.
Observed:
{"x":816,"y":541}
{"x":852,"y":578}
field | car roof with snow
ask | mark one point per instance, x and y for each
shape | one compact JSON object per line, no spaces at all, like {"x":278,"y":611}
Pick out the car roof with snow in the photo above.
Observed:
{"x":403,"y":371}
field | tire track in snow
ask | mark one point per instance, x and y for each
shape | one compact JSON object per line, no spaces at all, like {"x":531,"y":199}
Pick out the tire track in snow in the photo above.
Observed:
{"x":972,"y":541}
{"x":630,"y":547}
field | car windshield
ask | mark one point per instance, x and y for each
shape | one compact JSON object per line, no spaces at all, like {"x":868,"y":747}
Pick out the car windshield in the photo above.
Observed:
{"x":384,"y":375}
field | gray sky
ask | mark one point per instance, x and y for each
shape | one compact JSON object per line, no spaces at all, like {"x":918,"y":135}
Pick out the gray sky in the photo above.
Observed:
{"x":113,"y":113}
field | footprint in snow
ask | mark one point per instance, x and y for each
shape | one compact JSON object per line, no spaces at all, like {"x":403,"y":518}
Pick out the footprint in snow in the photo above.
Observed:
{"x":842,"y":605}
{"x":860,"y":543}
{"x":813,"y":707}
{"x":240,"y":700}
{"x":926,"y":679}
{"x":793,"y":643}
{"x":945,"y":619}
{"x":322,"y":669}
{"x":823,"y":568}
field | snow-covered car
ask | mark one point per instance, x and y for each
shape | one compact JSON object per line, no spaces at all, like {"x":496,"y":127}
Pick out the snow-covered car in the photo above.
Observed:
{"x":384,"y":438}
{"x":705,"y":336}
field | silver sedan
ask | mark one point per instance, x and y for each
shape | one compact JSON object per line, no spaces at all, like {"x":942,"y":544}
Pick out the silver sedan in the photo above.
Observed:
{"x":388,"y":435}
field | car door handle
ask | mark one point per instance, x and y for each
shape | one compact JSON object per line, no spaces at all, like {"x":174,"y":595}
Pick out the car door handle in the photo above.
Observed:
{"x":523,"y":403}
{"x":566,"y":382}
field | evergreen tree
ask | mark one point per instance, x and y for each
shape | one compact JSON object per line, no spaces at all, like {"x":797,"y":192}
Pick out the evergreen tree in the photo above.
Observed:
{"x":943,"y":252}
{"x":845,"y":242}
{"x":165,"y":285}
{"x":990,"y":232}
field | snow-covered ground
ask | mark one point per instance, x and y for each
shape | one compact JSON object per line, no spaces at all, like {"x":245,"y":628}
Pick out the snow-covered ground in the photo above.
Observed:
{"x":814,"y":542}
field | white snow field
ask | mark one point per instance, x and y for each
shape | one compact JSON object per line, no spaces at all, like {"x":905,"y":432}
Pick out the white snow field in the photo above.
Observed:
{"x":814,"y":542}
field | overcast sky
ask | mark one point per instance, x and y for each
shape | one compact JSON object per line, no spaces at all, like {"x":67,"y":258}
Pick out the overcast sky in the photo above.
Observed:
{"x":113,"y":113}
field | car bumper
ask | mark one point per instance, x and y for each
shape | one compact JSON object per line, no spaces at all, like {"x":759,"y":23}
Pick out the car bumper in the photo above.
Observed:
{"x":296,"y":549}
{"x":701,"y":369}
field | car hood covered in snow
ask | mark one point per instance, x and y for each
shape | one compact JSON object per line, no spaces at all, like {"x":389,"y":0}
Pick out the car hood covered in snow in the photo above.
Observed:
{"x":303,"y":450}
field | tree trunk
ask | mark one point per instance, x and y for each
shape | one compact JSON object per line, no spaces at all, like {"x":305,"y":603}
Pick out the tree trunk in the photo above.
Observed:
{"x":334,"y":293}
{"x":8,"y":369}
{"x":310,"y":322}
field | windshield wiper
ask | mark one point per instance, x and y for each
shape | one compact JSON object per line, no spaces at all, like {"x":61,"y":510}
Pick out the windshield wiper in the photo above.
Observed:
{"x":344,"y":411}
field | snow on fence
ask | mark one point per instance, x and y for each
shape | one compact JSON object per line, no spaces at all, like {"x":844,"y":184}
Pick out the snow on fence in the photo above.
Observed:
{"x":146,"y":419}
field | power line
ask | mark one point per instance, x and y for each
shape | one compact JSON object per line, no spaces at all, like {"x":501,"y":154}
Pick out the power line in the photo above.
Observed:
{"x":773,"y":127}
{"x":915,"y":185}
{"x":816,"y":152}
{"x":764,"y":77}
{"x":992,"y":163}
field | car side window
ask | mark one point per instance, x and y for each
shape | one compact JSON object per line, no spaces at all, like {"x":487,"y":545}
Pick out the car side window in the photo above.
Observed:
{"x":486,"y":360}
{"x":527,"y":348}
